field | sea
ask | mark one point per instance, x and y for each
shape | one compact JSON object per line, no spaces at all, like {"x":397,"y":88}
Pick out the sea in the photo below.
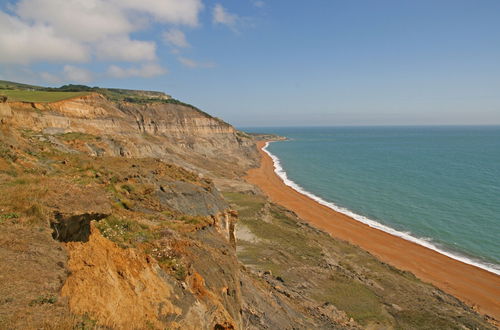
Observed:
{"x":435,"y":186}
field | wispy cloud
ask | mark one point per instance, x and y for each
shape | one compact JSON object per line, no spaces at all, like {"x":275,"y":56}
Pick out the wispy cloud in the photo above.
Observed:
{"x":235,"y":22}
{"x":69,"y":73}
{"x":125,"y":49}
{"x":220,"y":15}
{"x":144,"y":71}
{"x":176,"y":38}
{"x":76,"y":74}
{"x":187,"y":62}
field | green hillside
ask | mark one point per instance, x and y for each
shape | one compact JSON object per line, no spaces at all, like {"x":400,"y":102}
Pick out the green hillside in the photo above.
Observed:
{"x":38,"y":95}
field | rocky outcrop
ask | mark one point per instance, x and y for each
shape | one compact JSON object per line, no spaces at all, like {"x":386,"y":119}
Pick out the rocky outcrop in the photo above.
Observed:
{"x":191,"y":199}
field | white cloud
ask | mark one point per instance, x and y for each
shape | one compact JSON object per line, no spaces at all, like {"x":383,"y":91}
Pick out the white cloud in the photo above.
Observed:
{"x":144,"y":71}
{"x":168,"y":11}
{"x":22,"y":43}
{"x":76,"y":30}
{"x":187,"y":62}
{"x":75,"y":74}
{"x":222,"y":16}
{"x":176,"y":38}
{"x":88,"y":20}
{"x":123,"y":49}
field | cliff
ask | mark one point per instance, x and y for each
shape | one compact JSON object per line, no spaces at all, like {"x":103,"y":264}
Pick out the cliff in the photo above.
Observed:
{"x":112,"y":217}
{"x":172,"y":132}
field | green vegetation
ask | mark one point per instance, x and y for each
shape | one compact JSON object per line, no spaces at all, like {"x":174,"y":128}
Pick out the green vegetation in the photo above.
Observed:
{"x":248,"y":205}
{"x":6,"y":153}
{"x":174,"y":266}
{"x":86,"y":323}
{"x":124,"y":232}
{"x":38,"y":96}
{"x":356,"y":299}
{"x":44,"y":300}
{"x":10,"y":215}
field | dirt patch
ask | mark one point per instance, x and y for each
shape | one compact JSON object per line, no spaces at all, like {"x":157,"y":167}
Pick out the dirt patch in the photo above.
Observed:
{"x":32,"y":272}
{"x":120,"y":288}
{"x":243,"y":233}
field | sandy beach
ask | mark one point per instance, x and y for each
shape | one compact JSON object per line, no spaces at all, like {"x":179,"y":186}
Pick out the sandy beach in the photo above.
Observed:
{"x":474,"y":286}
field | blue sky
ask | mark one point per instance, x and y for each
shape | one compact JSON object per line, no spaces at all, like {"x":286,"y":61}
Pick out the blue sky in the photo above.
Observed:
{"x":274,"y":62}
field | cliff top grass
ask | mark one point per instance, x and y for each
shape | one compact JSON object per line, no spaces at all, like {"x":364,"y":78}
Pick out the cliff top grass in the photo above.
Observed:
{"x":38,"y":96}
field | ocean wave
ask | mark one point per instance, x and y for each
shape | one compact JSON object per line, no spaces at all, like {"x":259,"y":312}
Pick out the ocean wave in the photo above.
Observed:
{"x":426,"y":242}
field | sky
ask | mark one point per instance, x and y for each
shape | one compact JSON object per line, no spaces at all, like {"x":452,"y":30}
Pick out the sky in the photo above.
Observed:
{"x":271,"y":62}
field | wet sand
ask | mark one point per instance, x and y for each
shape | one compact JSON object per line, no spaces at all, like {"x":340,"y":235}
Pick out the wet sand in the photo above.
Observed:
{"x":474,"y":286}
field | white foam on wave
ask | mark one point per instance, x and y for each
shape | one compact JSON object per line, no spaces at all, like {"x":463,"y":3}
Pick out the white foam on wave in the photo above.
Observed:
{"x":426,"y":242}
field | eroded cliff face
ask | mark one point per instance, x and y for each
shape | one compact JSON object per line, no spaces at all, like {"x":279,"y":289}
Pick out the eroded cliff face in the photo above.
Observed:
{"x":121,"y":287}
{"x":148,"y":244}
{"x":172,"y":132}
{"x":128,"y":243}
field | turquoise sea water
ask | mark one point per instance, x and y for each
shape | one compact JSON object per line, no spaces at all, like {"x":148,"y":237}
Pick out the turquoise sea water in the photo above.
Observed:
{"x":438,"y":186}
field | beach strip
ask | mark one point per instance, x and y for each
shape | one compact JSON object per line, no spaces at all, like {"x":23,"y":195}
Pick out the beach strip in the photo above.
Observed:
{"x":474,"y":286}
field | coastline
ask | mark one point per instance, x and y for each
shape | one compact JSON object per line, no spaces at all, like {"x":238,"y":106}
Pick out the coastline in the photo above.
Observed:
{"x":474,"y":286}
{"x":278,"y":169}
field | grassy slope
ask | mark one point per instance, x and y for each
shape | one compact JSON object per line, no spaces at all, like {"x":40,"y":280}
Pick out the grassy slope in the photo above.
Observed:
{"x":39,"y":96}
{"x":316,"y":267}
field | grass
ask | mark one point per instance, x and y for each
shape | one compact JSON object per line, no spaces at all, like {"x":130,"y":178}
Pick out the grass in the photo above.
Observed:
{"x":21,"y":203}
{"x":39,"y":96}
{"x":248,"y":205}
{"x":6,"y":153}
{"x":11,"y":215}
{"x":124,"y":232}
{"x":8,"y":216}
{"x":358,"y":301}
{"x":48,"y":299}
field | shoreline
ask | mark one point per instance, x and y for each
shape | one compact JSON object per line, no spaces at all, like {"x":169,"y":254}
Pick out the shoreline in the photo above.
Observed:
{"x":278,"y":169}
{"x":473,"y":285}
